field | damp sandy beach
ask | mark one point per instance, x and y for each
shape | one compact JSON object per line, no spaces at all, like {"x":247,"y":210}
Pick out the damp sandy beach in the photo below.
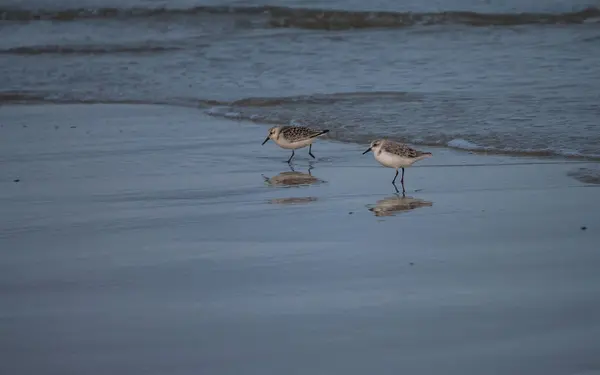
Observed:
{"x":143,"y":239}
{"x":145,"y":230}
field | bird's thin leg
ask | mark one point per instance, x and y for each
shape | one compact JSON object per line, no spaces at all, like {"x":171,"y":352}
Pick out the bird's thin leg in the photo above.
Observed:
{"x":310,"y":151}
{"x":290,"y":159}
{"x":394,"y":183}
{"x":402,"y":182}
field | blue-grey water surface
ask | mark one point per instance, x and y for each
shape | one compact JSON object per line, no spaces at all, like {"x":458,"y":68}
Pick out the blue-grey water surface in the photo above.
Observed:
{"x":513,"y":76}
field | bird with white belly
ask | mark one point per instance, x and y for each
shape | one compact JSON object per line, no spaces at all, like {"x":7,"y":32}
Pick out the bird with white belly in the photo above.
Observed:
{"x":396,"y":155}
{"x":294,"y":137}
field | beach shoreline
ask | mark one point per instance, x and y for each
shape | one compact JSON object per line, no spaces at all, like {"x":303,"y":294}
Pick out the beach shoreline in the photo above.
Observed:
{"x":156,"y":239}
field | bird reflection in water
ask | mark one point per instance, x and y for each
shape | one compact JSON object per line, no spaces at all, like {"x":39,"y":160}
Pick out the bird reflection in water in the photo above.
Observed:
{"x":293,"y":200}
{"x":397,"y":204}
{"x":292,"y":178}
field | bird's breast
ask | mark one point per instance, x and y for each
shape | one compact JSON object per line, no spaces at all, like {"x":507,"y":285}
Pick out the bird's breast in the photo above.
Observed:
{"x":284,"y":143}
{"x":390,"y":160}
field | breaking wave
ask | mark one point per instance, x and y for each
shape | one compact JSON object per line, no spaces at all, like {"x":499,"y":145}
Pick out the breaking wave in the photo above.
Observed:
{"x":356,"y":117}
{"x":319,"y":99}
{"x":84,"y":50}
{"x":349,"y":134}
{"x":360,"y":117}
{"x":28,"y":97}
{"x":320,"y":19}
{"x":586,"y":175}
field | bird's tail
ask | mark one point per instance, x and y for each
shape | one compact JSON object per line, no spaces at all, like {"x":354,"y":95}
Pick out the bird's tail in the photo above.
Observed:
{"x":321,"y":133}
{"x":424,"y":155}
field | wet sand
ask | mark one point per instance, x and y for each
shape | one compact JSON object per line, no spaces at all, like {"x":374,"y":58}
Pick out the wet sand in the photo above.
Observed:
{"x":157,"y":240}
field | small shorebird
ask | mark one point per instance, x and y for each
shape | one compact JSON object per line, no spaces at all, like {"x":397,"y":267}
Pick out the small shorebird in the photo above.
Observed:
{"x":395,"y":155}
{"x":294,"y":137}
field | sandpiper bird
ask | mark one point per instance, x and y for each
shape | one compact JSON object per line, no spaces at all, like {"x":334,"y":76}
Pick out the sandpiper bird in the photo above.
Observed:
{"x":395,"y":155}
{"x":294,"y":137}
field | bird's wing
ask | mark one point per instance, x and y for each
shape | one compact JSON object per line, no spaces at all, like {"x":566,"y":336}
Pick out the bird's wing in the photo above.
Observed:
{"x":401,"y":149}
{"x":297,"y":133}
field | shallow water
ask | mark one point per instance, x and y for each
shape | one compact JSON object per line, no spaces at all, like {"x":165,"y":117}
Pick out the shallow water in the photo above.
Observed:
{"x":137,"y":242}
{"x":511,"y":76}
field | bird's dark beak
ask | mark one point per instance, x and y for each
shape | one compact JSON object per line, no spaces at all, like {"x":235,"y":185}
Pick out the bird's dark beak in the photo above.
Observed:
{"x":266,"y":140}
{"x":369,"y":149}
